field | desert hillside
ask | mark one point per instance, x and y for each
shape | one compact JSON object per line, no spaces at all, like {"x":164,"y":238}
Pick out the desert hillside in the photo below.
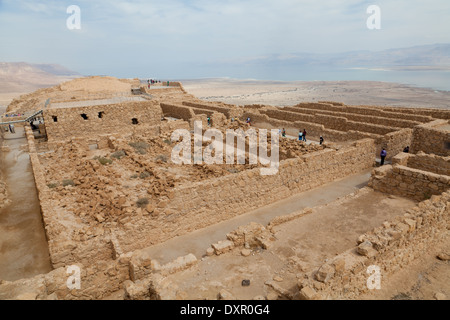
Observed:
{"x":77,"y":88}
{"x":17,"y":78}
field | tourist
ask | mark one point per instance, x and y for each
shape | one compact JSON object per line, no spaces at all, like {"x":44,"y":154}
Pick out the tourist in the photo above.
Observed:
{"x":406,"y":150}
{"x":209,"y":121}
{"x":304,"y":135}
{"x":383,"y":155}
{"x":11,"y":128}
{"x":321,"y":140}
{"x":284,"y":133}
{"x":248,"y":121}
{"x":300,"y":135}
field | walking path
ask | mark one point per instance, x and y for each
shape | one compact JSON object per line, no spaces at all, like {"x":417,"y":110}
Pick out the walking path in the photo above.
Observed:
{"x":23,"y":245}
{"x":197,"y":242}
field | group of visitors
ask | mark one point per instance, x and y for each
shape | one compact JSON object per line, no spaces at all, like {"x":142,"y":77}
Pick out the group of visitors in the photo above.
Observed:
{"x":13,"y":115}
{"x":151,"y":81}
{"x":301,"y":135}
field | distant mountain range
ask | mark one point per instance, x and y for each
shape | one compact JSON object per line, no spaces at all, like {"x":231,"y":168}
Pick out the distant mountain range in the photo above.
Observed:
{"x":420,"y":57}
{"x":24,"y":77}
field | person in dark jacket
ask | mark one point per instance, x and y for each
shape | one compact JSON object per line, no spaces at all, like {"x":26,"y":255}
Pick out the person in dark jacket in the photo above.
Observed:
{"x":383,"y":155}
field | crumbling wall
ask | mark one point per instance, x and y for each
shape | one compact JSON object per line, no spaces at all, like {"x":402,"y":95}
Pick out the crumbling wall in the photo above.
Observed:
{"x":426,"y":162}
{"x":229,"y":112}
{"x":97,"y":281}
{"x":287,"y":116}
{"x":64,"y":123}
{"x":428,"y":112}
{"x":407,"y":182}
{"x":395,"y":142}
{"x":390,"y":247}
{"x":178,"y":112}
{"x":331,"y":122}
{"x":429,"y":138}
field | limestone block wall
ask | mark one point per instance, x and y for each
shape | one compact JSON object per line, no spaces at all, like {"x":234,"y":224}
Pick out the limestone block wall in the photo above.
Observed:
{"x":429,"y":138}
{"x":287,"y":116}
{"x":229,"y":111}
{"x":397,"y":123}
{"x":176,"y":111}
{"x":97,"y":280}
{"x":332,"y":122}
{"x":425,"y":162}
{"x":408,"y":182}
{"x":392,"y":247}
{"x":428,"y":112}
{"x":63,"y":123}
{"x":395,"y":142}
{"x":314,"y":130}
{"x":198,"y":205}
{"x":394,"y":113}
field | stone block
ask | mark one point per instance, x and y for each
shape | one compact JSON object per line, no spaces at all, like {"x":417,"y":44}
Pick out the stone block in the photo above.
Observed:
{"x":308,"y":293}
{"x":366,"y":249}
{"x":223,"y":247}
{"x":325,"y":273}
{"x":225,"y":295}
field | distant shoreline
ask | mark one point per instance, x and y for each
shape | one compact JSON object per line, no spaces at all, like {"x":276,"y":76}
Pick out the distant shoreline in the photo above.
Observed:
{"x":286,"y":93}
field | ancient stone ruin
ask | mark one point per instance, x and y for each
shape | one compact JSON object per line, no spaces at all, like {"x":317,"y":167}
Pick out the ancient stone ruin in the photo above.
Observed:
{"x":109,"y":193}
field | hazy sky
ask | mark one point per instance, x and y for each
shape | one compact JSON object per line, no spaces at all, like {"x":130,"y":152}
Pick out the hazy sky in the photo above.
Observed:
{"x":181,"y":38}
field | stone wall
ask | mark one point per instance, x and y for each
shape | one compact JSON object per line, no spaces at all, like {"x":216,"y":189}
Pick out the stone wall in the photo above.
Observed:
{"x":228,"y":110}
{"x":394,"y":113}
{"x":407,"y":182}
{"x":395,"y":142}
{"x":425,"y":162}
{"x":335,"y":121}
{"x":176,"y":111}
{"x":194,"y":206}
{"x":64,"y":123}
{"x":390,"y":247}
{"x":396,"y":123}
{"x":430,"y":139}
{"x":428,"y":112}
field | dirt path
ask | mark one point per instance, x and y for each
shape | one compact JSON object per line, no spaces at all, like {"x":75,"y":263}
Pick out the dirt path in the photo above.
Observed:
{"x":197,"y":242}
{"x":23,"y":246}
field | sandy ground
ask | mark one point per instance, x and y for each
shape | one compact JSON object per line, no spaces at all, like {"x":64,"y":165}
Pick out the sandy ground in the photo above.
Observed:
{"x":242,"y":92}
